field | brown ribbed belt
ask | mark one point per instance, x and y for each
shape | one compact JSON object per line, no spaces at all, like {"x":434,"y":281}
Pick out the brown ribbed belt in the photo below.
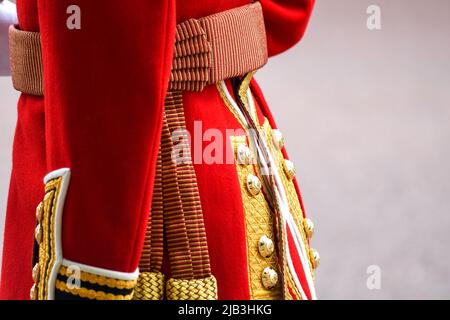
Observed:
{"x":207,"y":50}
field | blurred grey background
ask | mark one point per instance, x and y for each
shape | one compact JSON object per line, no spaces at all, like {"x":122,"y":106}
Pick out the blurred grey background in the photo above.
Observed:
{"x":366,"y":120}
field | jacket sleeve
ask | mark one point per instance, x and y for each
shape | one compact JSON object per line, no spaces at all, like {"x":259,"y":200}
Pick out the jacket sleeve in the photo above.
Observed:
{"x":105,"y":82}
{"x":286,"y":21}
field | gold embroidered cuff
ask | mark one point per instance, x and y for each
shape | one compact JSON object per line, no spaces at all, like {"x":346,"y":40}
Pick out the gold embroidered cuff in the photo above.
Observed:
{"x":75,"y":283}
{"x":48,"y":250}
{"x":56,"y":278}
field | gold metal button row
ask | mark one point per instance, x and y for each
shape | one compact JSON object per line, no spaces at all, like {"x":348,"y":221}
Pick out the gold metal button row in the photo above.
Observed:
{"x":308,"y":226}
{"x":314,"y":257}
{"x":38,"y":229}
{"x":278,"y":142}
{"x":38,"y":238}
{"x":244,"y":154}
{"x":253,"y":184}
{"x":277,"y":139}
{"x":269,"y":278}
{"x":289,"y":169}
{"x":38,"y":234}
{"x":33,"y":292}
{"x":39,"y":212}
{"x":245,"y":157}
{"x":35,"y":274}
{"x":266,"y":246}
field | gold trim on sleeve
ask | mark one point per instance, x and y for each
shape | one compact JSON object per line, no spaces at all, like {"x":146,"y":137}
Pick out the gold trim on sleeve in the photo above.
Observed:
{"x":101,"y":280}
{"x":89,"y":293}
{"x":46,"y":238}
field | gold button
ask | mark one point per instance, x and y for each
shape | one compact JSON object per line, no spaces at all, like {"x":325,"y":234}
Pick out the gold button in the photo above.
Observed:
{"x":253,"y":184}
{"x":289,"y":169}
{"x":39,"y":211}
{"x":269,"y":278}
{"x":33,"y":292}
{"x":244,"y":155}
{"x":38,"y":234}
{"x":277,"y":138}
{"x":308,"y":225}
{"x":265,"y":246}
{"x":314,"y":257}
{"x":35,"y":272}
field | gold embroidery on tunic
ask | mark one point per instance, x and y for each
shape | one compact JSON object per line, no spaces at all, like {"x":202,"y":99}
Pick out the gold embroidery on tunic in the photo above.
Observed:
{"x":258,"y":222}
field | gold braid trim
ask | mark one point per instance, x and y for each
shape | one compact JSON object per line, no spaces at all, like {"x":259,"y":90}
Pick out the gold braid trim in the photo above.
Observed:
{"x":101,"y":280}
{"x":243,"y":89}
{"x":196,"y":289}
{"x":150,"y":286}
{"x":47,"y":243}
{"x":293,"y":293}
{"x":90,"y":294}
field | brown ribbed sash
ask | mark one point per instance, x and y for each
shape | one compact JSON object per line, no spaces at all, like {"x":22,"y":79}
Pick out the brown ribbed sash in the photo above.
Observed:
{"x":183,"y":217}
{"x":189,"y":194}
{"x":152,"y":253}
{"x":176,"y":203}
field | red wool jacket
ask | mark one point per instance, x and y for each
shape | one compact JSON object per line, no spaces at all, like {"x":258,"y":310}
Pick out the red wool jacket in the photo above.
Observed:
{"x":101,"y":116}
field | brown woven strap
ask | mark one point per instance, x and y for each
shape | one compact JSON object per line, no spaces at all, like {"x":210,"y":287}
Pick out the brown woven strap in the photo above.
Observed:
{"x":176,"y":209}
{"x":152,"y":253}
{"x":207,"y":50}
{"x":188,"y":189}
{"x":183,"y":216}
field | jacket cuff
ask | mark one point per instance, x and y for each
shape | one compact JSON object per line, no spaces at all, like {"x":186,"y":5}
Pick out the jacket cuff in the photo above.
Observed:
{"x":78,"y":281}
{"x":58,"y":278}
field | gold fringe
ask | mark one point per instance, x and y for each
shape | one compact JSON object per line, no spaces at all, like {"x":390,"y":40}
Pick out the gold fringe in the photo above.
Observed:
{"x":150,"y":286}
{"x":196,"y":289}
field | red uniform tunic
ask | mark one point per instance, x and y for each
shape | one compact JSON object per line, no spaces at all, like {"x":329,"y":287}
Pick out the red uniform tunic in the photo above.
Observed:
{"x":101,"y":117}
